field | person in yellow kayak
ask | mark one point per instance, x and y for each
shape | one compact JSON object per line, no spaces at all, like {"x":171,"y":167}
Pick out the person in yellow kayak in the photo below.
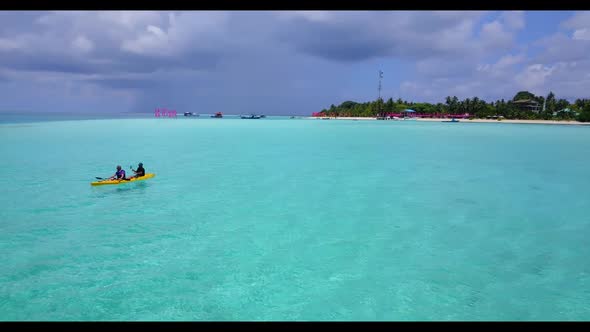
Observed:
{"x":139,"y":172}
{"x":119,"y":175}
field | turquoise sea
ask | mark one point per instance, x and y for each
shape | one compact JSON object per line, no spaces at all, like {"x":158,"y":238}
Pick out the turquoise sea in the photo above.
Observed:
{"x":294,"y":219}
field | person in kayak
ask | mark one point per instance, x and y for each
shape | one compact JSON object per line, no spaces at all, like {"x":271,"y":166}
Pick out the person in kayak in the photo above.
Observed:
{"x":139,"y":172}
{"x":119,"y":175}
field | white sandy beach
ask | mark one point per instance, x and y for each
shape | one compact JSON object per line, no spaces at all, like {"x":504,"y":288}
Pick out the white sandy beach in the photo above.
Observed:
{"x":466,"y":120}
{"x":341,"y":118}
{"x":511,"y":121}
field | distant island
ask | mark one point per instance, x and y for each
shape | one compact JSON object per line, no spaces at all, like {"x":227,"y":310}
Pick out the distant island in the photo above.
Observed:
{"x":524,"y":106}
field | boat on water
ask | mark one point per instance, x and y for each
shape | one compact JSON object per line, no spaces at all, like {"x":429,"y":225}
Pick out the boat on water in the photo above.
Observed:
{"x":452,"y":120}
{"x":217,"y":115}
{"x":251,"y":116}
{"x":117,"y":181}
{"x":190,"y":114}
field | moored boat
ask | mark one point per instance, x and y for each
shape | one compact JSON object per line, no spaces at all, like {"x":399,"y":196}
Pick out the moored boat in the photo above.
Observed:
{"x":251,"y":116}
{"x":452,"y":120}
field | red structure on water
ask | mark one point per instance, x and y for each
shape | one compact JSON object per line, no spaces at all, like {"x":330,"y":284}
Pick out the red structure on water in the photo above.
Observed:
{"x":163,"y":112}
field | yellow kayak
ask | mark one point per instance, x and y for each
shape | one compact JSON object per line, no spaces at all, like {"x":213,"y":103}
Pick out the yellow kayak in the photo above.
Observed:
{"x":103,"y":182}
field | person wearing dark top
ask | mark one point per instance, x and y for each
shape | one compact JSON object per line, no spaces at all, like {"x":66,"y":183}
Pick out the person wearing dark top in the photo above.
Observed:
{"x":139,"y":172}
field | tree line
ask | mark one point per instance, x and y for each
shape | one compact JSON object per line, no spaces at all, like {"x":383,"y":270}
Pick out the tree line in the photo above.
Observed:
{"x":554,"y":109}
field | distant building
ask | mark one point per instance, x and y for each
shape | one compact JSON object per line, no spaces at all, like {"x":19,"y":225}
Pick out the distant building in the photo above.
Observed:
{"x":527,"y":105}
{"x":566,"y":111}
{"x":409,"y":113}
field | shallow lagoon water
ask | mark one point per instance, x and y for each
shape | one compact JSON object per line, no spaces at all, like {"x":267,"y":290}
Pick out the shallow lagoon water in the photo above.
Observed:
{"x":294,"y":220}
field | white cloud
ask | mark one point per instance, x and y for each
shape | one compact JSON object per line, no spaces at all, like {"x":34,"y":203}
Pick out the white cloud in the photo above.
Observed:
{"x":566,"y":79}
{"x":567,"y":46}
{"x":186,"y":31}
{"x":495,"y":36}
{"x":408,"y":34}
{"x":581,"y":34}
{"x":153,"y":42}
{"x":580,"y":24}
{"x":453,"y":37}
{"x":534,"y":76}
{"x":503,"y":69}
{"x":82,"y":44}
{"x":130,"y":19}
{"x":9,"y":44}
{"x":499,"y":35}
{"x":579,"y":20}
{"x":509,"y":60}
{"x":513,"y":19}
{"x":504,"y":62}
{"x":560,"y":47}
{"x":310,"y":15}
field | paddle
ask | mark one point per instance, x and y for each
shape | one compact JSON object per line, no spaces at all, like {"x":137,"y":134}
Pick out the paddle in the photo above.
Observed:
{"x":103,"y":179}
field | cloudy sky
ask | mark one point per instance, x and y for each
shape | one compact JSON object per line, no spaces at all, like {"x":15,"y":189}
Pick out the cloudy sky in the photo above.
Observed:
{"x":275,"y":62}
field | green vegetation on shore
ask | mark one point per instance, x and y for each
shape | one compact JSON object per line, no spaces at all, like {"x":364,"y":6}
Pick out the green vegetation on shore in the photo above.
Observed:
{"x":518,"y":108}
